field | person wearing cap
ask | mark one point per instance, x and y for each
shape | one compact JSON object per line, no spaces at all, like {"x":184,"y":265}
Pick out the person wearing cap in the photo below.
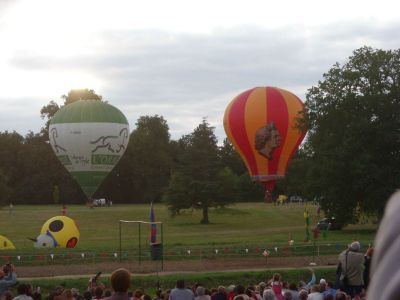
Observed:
{"x":352,"y":266}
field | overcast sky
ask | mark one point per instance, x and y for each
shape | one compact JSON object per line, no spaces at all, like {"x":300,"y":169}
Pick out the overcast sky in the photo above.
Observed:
{"x":181,"y":59}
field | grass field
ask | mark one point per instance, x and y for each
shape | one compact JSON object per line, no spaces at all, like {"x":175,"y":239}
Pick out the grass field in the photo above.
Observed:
{"x":237,"y":225}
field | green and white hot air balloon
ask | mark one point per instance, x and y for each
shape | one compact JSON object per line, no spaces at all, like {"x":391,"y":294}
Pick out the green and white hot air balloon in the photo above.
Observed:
{"x":89,"y":137}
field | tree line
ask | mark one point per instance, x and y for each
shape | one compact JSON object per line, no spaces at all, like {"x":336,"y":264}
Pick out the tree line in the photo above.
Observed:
{"x":192,"y":172}
{"x":349,"y":161}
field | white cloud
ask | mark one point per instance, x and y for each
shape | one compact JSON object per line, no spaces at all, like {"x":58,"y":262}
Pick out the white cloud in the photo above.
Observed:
{"x":181,"y":61}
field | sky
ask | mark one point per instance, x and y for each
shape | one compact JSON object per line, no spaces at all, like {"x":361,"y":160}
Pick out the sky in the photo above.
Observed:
{"x":184,"y":60}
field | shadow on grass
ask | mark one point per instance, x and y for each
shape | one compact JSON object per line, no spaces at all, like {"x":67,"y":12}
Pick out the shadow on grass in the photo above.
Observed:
{"x":359,"y":231}
{"x":230,"y":211}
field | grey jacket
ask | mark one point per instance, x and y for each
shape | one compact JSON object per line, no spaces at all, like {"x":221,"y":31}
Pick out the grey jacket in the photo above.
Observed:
{"x":354,"y":268}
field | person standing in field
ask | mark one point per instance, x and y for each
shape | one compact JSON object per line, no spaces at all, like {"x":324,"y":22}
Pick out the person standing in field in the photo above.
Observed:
{"x":64,"y":210}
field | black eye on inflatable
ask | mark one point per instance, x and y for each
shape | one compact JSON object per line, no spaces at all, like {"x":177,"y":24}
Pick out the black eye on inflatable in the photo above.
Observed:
{"x":56,"y":225}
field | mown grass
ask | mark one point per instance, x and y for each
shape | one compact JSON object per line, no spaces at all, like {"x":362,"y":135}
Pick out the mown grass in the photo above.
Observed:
{"x":236,"y":225}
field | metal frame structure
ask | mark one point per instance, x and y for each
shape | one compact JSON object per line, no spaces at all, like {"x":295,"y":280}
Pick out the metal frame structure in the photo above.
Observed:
{"x":140,"y":235}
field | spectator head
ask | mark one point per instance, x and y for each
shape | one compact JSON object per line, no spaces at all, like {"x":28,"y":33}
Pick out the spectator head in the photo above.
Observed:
{"x":145,"y":297}
{"x":67,"y":295}
{"x":200,"y":291}
{"x":322,"y":285}
{"x":262,"y":285}
{"x":98,"y":292}
{"x":230,"y":288}
{"x":7,"y":296}
{"x":329,"y":297}
{"x":269,"y":294}
{"x":276,"y":277}
{"x":240,"y":289}
{"x":355,"y":246}
{"x":22,"y":289}
{"x":221,"y":289}
{"x":249,"y":291}
{"x":303,"y":295}
{"x":180,"y":284}
{"x":87,"y":295}
{"x":57,"y":296}
{"x":329,"y":284}
{"x":293,"y":287}
{"x":120,"y":280}
{"x":107,"y":293}
{"x":314,"y":289}
{"x":340,"y":296}
{"x":369,"y":252}
{"x":29,"y":289}
{"x":138,"y":294}
{"x":287,"y":296}
{"x":75,"y":292}
{"x":301,"y":284}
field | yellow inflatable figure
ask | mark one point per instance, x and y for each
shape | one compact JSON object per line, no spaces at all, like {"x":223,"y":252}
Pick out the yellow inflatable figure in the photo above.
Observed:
{"x":5,"y":243}
{"x":59,"y":231}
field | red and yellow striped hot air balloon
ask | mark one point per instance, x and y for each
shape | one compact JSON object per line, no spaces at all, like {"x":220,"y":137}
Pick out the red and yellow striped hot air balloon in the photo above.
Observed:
{"x":261,"y":124}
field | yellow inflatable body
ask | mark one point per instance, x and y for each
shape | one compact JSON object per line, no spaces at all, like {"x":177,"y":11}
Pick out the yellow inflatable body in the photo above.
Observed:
{"x":59,"y":231}
{"x":5,"y":243}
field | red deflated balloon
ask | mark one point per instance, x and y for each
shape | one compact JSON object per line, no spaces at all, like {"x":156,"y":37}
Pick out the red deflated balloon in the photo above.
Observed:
{"x":261,"y":125}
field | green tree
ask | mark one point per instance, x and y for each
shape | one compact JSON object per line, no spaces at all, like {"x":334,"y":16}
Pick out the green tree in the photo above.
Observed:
{"x":49,"y":110}
{"x":143,"y":173}
{"x":231,"y":159}
{"x":5,"y":190}
{"x":199,"y":179}
{"x":11,"y":144}
{"x":354,"y":139}
{"x":39,"y":171}
{"x":295,"y":181}
{"x":56,"y":194}
{"x":247,"y":189}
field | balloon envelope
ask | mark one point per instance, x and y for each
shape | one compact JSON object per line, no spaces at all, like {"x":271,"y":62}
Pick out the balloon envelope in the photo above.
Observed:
{"x":261,"y":124}
{"x":59,"y":231}
{"x":89,"y":137}
{"x":5,"y":243}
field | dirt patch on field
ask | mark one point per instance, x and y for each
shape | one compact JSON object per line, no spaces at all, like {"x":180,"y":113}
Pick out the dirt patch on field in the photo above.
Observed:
{"x":150,"y":267}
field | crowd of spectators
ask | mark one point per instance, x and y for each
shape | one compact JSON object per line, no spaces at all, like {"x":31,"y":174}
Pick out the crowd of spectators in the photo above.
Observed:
{"x":275,"y":288}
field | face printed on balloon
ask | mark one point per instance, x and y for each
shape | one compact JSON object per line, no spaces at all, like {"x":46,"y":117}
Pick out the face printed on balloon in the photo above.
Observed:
{"x":262,"y":125}
{"x":267,"y":139}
